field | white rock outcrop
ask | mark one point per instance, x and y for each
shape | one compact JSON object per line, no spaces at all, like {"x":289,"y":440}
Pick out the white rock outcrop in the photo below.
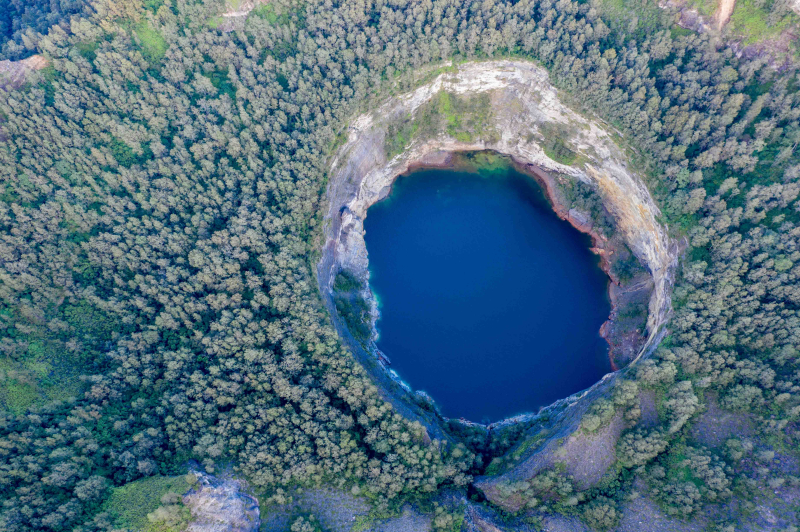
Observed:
{"x":221,"y":505}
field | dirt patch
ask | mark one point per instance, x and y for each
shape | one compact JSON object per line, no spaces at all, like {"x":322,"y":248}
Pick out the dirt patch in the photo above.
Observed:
{"x":724,"y":12}
{"x":409,"y":521}
{"x":339,"y":511}
{"x":587,"y":457}
{"x":716,"y":425}
{"x":563,"y":524}
{"x":643,"y":514}
{"x":236,"y":13}
{"x":335,"y":509}
{"x":776,"y":49}
{"x":13,"y":73}
{"x":647,"y":405}
{"x":241,"y":8}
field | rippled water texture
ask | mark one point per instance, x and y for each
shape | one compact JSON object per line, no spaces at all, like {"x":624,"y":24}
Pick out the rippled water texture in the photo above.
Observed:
{"x":488,"y":301}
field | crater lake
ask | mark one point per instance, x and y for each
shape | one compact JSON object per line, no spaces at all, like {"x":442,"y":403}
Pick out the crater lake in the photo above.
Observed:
{"x":488,"y":301}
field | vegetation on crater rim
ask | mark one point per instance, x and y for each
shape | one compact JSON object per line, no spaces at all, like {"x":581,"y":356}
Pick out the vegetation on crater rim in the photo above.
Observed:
{"x":160,"y":188}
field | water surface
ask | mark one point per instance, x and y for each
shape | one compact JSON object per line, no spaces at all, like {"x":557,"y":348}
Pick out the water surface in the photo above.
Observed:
{"x":489,"y":302}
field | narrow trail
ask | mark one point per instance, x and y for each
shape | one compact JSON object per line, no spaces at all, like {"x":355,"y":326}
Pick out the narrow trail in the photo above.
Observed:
{"x":724,"y":12}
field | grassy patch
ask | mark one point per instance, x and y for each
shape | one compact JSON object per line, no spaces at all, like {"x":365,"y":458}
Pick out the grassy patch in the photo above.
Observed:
{"x":93,"y":323}
{"x":124,"y":154}
{"x":754,"y":23}
{"x":525,"y":445}
{"x":338,"y":141}
{"x":16,"y":395}
{"x":355,"y":313}
{"x":554,"y":145}
{"x":351,"y":306}
{"x":485,"y":161}
{"x":639,"y":18}
{"x":153,"y":5}
{"x":278,"y":15}
{"x":347,"y":282}
{"x":41,"y":365}
{"x":626,"y":266}
{"x":367,"y":522}
{"x":463,"y":118}
{"x":220,"y":81}
{"x":494,"y":467}
{"x":49,"y":75}
{"x":704,"y":7}
{"x":269,"y":13}
{"x":87,"y":50}
{"x":558,"y":151}
{"x":233,"y":5}
{"x":399,"y":136}
{"x":46,"y":373}
{"x":152,"y":44}
{"x":129,"y":505}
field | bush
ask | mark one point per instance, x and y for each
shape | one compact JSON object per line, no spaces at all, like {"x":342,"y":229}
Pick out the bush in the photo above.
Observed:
{"x":601,"y":513}
{"x":639,"y":446}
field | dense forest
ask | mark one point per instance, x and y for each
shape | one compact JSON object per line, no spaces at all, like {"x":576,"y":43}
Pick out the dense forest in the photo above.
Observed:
{"x":161,"y":188}
{"x":24,"y":22}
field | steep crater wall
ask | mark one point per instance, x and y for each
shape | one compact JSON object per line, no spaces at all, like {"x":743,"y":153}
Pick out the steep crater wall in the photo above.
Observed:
{"x":516,"y":112}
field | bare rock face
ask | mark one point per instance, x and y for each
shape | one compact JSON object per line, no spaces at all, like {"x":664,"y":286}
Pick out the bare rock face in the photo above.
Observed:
{"x":236,"y":12}
{"x":221,"y":505}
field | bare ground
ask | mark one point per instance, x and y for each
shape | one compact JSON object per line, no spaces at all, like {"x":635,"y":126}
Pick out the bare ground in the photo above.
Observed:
{"x":716,"y":425}
{"x":724,"y":12}
{"x":340,"y":511}
{"x":642,"y":515}
{"x":647,"y":404}
{"x":13,"y":73}
{"x":587,"y":457}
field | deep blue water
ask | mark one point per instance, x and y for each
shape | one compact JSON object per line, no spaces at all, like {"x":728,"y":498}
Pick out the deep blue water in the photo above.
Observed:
{"x":488,"y":301}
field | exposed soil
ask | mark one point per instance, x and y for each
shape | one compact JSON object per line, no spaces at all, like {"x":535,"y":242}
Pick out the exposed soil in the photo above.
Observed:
{"x":649,"y":409}
{"x":13,"y":73}
{"x":716,"y":425}
{"x":724,"y":12}
{"x":643,"y":514}
{"x":221,"y":504}
{"x":776,"y":49}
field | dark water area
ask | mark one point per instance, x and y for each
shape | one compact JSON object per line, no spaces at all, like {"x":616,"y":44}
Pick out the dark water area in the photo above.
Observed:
{"x":489,"y":302}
